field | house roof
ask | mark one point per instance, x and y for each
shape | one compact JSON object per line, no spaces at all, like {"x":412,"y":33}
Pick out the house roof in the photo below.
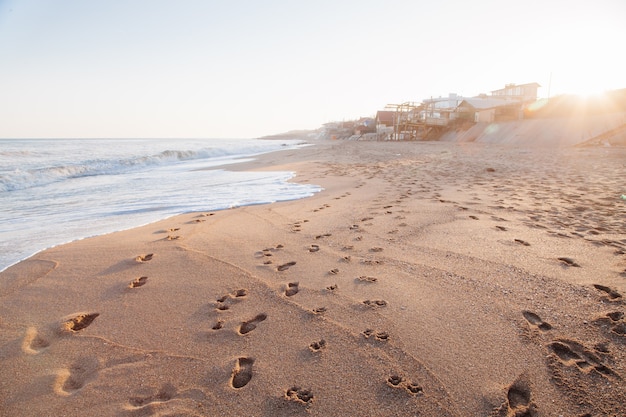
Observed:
{"x":385,"y":116}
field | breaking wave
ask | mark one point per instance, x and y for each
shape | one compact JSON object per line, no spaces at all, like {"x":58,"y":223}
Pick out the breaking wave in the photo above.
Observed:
{"x":21,"y":176}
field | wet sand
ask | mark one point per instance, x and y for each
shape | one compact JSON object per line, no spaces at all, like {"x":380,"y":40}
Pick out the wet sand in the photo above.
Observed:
{"x":431,"y":279}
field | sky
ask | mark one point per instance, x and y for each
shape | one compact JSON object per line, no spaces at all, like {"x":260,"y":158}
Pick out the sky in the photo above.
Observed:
{"x":248,"y":68}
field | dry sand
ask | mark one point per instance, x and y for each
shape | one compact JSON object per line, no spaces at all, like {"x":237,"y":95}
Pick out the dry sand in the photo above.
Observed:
{"x":430,"y":279}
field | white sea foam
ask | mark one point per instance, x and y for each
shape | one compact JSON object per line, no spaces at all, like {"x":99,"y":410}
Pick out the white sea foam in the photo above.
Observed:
{"x":56,"y":191}
{"x":50,"y":161}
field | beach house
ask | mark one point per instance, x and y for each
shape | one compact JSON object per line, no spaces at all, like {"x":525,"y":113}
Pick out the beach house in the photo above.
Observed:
{"x":522,"y":93}
{"x":489,"y":109}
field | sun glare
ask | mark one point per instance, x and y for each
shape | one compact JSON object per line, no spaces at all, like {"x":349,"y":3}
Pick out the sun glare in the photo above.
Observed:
{"x":579,"y":84}
{"x":593,"y":87}
{"x":590,"y":90}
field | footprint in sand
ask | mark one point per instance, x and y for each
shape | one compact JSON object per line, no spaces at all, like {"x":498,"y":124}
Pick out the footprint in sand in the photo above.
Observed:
{"x":518,"y":398}
{"x":319,"y":310}
{"x":286,"y":266}
{"x":292,"y":289}
{"x":218,"y":325}
{"x":242,"y":373}
{"x":299,"y":395}
{"x":317,"y":346}
{"x":248,"y":326}
{"x":138,"y":282}
{"x":196,"y":221}
{"x":144,"y":258}
{"x":79,"y":322}
{"x":222,"y":307}
{"x":613,"y":322}
{"x":334,"y":271}
{"x":323,"y":236}
{"x":413,"y":388}
{"x":268,"y":251}
{"x":332,"y":287}
{"x":240,"y":293}
{"x":380,"y":336}
{"x":611,"y":294}
{"x":164,"y":394}
{"x":522,"y":242}
{"x":72,"y":379}
{"x":569,"y":262}
{"x":314,"y":248}
{"x":619,"y":329}
{"x":397,"y":381}
{"x":571,"y":353}
{"x":33,"y":343}
{"x":261,"y":254}
{"x":364,"y":278}
{"x":534,"y":320}
{"x":615,"y":315}
{"x":375,"y":303}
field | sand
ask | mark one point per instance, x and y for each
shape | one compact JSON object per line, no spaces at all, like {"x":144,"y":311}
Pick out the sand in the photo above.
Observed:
{"x":430,"y":279}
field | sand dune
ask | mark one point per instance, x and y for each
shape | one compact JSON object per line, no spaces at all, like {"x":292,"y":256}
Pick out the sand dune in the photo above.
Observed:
{"x":430,"y":279}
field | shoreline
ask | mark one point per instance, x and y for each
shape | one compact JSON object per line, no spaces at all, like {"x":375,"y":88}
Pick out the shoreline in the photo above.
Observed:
{"x":431,"y":278}
{"x":36,"y":239}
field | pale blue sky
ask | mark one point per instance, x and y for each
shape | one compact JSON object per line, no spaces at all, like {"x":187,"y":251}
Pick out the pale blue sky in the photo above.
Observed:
{"x":208,"y":68}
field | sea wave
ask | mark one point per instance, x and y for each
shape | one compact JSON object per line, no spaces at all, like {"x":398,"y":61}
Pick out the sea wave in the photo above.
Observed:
{"x":20,"y":178}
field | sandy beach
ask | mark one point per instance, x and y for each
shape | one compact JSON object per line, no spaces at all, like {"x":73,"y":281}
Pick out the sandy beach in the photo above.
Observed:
{"x":427,"y":278}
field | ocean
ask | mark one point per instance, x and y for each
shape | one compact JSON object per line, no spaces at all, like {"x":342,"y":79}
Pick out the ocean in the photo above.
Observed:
{"x":54,"y":191}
